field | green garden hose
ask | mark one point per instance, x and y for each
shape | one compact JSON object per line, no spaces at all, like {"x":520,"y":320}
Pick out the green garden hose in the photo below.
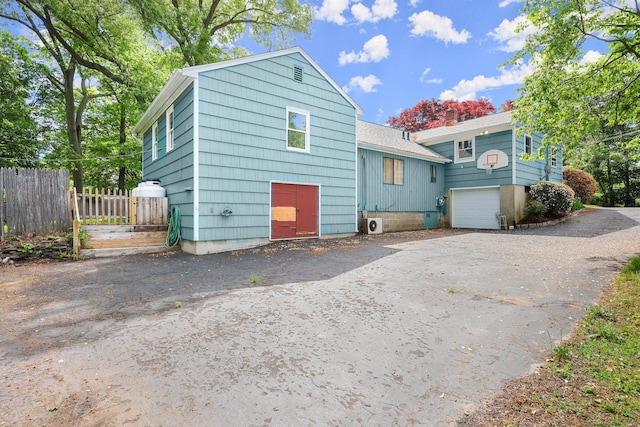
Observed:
{"x":173,"y":234}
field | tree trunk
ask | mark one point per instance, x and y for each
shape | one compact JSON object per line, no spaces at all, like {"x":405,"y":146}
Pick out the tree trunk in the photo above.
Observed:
{"x":73,"y":129}
{"x":122,"y":140}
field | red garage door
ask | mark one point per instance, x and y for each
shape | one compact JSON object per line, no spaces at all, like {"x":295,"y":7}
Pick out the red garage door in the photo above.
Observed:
{"x":294,"y":211}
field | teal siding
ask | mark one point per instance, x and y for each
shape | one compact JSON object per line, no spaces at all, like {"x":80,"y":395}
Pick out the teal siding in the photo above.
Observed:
{"x":175,"y":168}
{"x":529,"y":172}
{"x":463,"y":175}
{"x":417,"y":194}
{"x":243,"y":147}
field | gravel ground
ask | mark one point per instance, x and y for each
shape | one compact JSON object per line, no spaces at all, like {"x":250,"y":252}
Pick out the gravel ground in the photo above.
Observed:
{"x":359,"y":331}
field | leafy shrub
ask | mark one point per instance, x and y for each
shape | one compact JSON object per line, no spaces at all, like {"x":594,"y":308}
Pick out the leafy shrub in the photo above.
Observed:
{"x":577,"y":204}
{"x":581,"y":182}
{"x":556,"y":197}
{"x":534,"y":210}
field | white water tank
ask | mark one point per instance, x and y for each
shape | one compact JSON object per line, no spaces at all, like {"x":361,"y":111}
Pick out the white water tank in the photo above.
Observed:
{"x":150,"y":188}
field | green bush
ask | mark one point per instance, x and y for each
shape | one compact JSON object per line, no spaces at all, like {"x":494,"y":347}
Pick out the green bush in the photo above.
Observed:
{"x":534,"y":210}
{"x":556,"y":197}
{"x":577,"y":204}
{"x":581,"y":182}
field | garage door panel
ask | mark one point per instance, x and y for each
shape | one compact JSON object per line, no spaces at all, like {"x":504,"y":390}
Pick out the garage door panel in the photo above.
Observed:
{"x":478,"y":208}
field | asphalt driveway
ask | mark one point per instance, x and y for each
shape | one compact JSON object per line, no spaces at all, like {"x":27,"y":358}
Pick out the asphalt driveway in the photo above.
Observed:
{"x":365,"y":331}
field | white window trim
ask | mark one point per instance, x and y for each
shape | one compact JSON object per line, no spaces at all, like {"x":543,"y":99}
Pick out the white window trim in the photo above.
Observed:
{"x":554,"y":158}
{"x":456,"y":151}
{"x":306,"y":132}
{"x":524,"y":144}
{"x":154,"y":141}
{"x":170,"y":131}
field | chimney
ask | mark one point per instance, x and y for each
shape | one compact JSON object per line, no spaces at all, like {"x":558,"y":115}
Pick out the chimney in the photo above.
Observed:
{"x":450,"y":117}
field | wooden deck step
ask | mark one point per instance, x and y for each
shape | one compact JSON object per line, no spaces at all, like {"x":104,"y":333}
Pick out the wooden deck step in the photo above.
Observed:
{"x":118,"y":240}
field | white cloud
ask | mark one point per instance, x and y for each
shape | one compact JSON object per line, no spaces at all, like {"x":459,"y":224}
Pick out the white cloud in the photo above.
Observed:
{"x":505,"y":3}
{"x":467,"y":90}
{"x":366,"y":84}
{"x":374,"y":50}
{"x":511,"y":40}
{"x":424,"y":74}
{"x":381,"y":9}
{"x":414,"y":3}
{"x":427,"y":23}
{"x":331,"y":10}
{"x":590,"y":57}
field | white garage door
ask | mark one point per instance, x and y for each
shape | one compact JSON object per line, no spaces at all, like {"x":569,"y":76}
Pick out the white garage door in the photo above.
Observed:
{"x":477,"y":208}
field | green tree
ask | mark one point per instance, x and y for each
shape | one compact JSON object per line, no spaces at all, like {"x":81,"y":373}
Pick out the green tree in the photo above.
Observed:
{"x":99,"y":43}
{"x":614,"y":162}
{"x":568,"y":97}
{"x":19,"y":81}
{"x":205,"y":31}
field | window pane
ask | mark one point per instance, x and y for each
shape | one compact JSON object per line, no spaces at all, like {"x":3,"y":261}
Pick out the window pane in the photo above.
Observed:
{"x":465,"y":149}
{"x":297,"y":121}
{"x":296,"y":139}
{"x":398,"y":176}
{"x":388,"y":170}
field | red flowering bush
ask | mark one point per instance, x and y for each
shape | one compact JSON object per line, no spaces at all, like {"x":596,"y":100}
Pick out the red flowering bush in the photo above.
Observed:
{"x":581,"y":182}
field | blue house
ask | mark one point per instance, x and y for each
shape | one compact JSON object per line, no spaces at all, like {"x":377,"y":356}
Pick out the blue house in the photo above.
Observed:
{"x":269,"y":147}
{"x":487,"y":177}
{"x":254,"y":149}
{"x":400,"y":183}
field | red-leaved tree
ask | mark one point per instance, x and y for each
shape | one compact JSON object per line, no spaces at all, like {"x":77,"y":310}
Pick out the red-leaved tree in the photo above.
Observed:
{"x":431,"y":114}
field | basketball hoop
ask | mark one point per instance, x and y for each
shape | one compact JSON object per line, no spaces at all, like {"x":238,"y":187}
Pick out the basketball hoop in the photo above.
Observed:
{"x":492,"y":160}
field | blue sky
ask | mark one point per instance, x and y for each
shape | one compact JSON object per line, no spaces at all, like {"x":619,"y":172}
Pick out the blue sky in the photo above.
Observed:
{"x":390,"y":54}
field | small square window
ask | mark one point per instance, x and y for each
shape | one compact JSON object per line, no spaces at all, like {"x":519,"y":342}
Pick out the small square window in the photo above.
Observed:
{"x":297,"y":130}
{"x":393,"y":171}
{"x":528,"y":144}
{"x":464,"y":151}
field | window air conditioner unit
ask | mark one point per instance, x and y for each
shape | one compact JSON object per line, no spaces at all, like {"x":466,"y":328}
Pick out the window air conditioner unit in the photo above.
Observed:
{"x":374,"y":225}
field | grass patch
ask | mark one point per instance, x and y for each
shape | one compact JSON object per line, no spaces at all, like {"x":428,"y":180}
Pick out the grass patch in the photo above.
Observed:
{"x":593,"y":379}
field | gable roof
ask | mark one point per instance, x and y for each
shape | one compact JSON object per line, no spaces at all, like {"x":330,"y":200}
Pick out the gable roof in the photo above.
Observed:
{"x":181,"y":79}
{"x":386,"y":139}
{"x":469,"y":128}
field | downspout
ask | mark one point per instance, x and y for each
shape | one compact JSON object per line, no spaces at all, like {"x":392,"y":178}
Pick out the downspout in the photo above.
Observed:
{"x":196,"y":159}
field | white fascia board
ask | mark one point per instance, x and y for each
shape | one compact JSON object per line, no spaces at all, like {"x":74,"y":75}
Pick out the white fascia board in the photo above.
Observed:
{"x":389,"y":150}
{"x":461,"y":135}
{"x":177,"y":83}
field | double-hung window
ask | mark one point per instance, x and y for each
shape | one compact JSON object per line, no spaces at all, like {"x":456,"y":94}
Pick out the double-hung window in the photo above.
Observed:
{"x":154,"y":141}
{"x":554,"y":158}
{"x":170,"y":131}
{"x":393,"y":171}
{"x":464,"y":151}
{"x":298,"y":125}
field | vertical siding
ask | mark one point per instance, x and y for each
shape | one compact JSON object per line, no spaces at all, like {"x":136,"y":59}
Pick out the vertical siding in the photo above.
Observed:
{"x":243,"y":147}
{"x":464,"y":175}
{"x":175,"y":168}
{"x":417,"y":194}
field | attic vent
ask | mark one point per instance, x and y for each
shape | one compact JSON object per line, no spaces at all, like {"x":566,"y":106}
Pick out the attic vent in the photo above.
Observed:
{"x":297,"y":74}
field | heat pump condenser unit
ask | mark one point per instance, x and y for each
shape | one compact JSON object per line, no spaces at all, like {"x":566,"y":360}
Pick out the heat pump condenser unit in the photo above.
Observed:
{"x":374,"y":225}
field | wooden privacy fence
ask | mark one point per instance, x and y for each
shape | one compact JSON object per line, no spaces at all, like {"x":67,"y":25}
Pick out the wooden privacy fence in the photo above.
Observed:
{"x":34,"y":202}
{"x":103,"y":207}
